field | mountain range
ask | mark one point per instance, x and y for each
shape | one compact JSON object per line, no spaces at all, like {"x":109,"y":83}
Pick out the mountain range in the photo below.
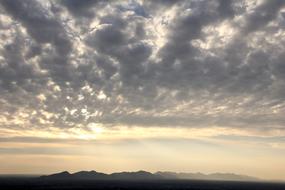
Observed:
{"x":144,"y":175}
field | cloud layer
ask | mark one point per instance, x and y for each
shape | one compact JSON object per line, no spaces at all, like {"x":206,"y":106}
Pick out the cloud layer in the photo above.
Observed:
{"x":68,"y":64}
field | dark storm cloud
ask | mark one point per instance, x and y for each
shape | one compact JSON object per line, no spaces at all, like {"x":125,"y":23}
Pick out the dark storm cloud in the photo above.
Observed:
{"x":155,"y":63}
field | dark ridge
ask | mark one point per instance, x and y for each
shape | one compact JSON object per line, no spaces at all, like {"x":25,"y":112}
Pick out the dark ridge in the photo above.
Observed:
{"x":61,"y":175}
{"x":90,"y":175}
{"x":134,"y":175}
{"x":144,"y":175}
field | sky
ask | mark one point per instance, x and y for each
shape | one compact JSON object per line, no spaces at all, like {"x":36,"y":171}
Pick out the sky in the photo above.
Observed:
{"x":186,"y":86}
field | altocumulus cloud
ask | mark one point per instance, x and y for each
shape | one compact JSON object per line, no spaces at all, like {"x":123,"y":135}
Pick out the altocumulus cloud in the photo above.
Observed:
{"x":69,"y":63}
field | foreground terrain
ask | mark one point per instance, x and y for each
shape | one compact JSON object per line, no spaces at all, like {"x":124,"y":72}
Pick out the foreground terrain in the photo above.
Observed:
{"x":33,"y":183}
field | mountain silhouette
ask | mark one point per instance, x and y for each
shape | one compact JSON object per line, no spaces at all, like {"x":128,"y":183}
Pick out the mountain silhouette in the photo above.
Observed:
{"x":144,"y":175}
{"x":134,"y":175}
{"x":61,"y":175}
{"x":89,"y":175}
{"x":201,"y":176}
{"x":139,"y":175}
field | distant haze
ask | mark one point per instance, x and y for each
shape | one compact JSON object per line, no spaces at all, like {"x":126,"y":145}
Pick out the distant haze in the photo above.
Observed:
{"x":183,"y":86}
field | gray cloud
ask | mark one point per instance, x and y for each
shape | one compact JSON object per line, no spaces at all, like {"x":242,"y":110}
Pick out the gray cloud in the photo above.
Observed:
{"x":39,"y":24}
{"x":159,"y":63}
{"x":262,"y":15}
{"x":81,"y":8}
